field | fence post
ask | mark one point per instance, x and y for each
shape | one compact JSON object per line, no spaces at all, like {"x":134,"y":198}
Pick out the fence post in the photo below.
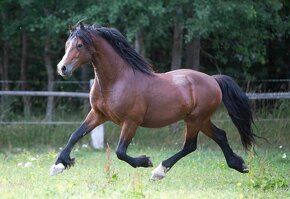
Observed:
{"x":97,"y":134}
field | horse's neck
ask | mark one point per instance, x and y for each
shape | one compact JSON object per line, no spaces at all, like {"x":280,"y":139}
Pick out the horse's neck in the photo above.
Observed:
{"x":109,"y":67}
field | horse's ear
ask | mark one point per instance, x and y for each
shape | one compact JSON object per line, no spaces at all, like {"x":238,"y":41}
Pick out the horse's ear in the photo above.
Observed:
{"x":81,"y":25}
{"x":70,"y":27}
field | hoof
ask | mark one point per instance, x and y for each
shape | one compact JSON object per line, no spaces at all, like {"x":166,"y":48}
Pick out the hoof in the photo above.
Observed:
{"x":239,"y":165}
{"x":245,"y":168}
{"x":150,"y":164}
{"x":56,"y":169}
{"x":144,"y":161}
{"x":158,"y":173}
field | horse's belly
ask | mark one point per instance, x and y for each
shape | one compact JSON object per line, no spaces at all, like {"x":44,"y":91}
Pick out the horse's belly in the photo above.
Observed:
{"x":160,"y":122}
{"x":170,"y":101}
{"x":160,"y":116}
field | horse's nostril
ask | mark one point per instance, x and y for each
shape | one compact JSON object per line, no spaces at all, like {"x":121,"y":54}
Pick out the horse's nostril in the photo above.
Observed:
{"x":63,"y":68}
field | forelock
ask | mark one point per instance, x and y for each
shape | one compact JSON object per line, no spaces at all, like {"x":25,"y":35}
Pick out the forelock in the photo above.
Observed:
{"x":83,"y":34}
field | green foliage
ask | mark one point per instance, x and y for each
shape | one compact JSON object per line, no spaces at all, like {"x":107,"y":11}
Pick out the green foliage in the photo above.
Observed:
{"x":236,"y":33}
{"x":265,"y":178}
{"x":244,"y":39}
{"x":268,"y":182}
{"x":240,"y":29}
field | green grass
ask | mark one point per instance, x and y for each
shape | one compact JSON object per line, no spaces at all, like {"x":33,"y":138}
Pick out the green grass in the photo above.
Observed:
{"x":28,"y":151}
{"x":99,"y":174}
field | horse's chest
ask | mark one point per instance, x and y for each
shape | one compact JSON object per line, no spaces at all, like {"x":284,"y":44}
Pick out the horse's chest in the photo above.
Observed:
{"x":108,"y":108}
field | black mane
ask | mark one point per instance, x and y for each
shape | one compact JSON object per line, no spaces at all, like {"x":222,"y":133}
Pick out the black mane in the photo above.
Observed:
{"x":117,"y":41}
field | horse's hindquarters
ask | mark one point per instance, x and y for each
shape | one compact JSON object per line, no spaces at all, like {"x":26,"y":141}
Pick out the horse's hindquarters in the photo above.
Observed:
{"x":181,"y":94}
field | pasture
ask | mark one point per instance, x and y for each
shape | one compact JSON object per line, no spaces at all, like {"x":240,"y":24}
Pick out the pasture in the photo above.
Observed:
{"x":101,"y":175}
{"x":28,"y":151}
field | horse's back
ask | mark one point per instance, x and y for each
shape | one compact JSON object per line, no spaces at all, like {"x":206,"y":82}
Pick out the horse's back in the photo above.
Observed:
{"x":204,"y":88}
{"x":178,"y":94}
{"x":202,"y":85}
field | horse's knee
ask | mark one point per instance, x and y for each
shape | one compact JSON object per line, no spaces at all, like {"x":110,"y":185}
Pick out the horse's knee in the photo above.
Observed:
{"x":220,"y":135}
{"x":121,"y":154}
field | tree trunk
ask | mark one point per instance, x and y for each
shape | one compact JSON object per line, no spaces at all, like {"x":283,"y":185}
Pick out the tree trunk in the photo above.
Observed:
{"x":5,"y":104}
{"x":4,"y":63}
{"x":23,"y":75}
{"x":50,"y":78}
{"x":177,"y":41}
{"x":139,"y":43}
{"x":193,"y":54}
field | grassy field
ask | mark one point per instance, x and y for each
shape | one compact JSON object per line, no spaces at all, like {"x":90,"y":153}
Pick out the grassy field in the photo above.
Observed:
{"x":28,"y":151}
{"x":99,"y":174}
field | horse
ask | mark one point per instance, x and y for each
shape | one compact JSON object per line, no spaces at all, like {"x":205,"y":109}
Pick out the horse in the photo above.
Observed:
{"x":129,"y":93}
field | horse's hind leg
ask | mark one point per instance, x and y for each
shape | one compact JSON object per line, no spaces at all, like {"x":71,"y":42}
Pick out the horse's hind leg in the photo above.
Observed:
{"x":127,"y":133}
{"x":188,"y":147}
{"x":219,"y":136}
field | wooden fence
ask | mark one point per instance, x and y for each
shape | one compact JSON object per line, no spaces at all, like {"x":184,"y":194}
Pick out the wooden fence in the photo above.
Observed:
{"x":252,"y":96}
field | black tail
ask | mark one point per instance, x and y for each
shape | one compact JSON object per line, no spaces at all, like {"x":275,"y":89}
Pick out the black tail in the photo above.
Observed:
{"x":239,"y":108}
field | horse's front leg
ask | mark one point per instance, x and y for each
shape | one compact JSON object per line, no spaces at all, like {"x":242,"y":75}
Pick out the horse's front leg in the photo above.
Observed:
{"x":64,"y":161}
{"x":127,"y":133}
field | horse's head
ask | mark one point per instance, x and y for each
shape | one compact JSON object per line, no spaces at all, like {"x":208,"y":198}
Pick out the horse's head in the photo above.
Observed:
{"x":77,"y":51}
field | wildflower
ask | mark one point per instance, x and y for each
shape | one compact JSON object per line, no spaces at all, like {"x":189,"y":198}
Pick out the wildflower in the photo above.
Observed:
{"x":28,"y":164}
{"x":280,"y":147}
{"x":20,"y":164}
{"x":284,"y":156}
{"x":252,"y":181}
{"x":85,"y":146}
{"x":33,"y":159}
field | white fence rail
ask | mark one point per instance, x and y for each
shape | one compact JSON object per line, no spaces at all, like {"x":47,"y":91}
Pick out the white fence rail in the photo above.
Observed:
{"x":44,"y":94}
{"x":252,"y":96}
{"x":260,"y":96}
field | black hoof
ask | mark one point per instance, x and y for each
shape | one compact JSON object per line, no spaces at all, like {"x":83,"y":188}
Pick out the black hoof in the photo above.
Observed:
{"x":244,"y":168}
{"x":68,"y":162}
{"x":238,"y":164}
{"x":144,"y":161}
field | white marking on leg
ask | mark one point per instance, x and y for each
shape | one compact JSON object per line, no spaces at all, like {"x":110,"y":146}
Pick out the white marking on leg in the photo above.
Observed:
{"x":159,"y":172}
{"x":56,"y":169}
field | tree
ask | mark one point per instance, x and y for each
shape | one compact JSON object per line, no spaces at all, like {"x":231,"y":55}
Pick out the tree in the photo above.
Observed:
{"x":193,"y":54}
{"x":23,"y":73}
{"x":244,"y":39}
{"x":52,"y":24}
{"x":50,"y":77}
{"x":177,"y":39}
{"x":6,"y":34}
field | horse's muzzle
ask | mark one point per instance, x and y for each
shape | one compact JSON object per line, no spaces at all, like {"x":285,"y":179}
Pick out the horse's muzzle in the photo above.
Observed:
{"x":65,"y":71}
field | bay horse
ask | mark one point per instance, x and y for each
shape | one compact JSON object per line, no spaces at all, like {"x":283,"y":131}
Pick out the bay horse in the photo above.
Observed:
{"x":129,"y":93}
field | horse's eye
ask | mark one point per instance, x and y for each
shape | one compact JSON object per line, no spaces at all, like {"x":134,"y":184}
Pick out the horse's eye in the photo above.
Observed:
{"x":79,"y":46}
